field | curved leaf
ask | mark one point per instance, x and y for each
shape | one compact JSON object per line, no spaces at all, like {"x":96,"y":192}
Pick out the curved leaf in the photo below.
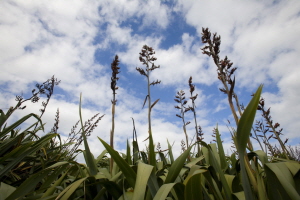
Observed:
{"x":143,"y":174}
{"x":128,"y":172}
{"x":177,"y":166}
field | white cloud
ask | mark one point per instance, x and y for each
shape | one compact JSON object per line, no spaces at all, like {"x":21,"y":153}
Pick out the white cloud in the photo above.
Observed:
{"x":152,"y":13}
{"x":262,"y":39}
{"x":40,"y":39}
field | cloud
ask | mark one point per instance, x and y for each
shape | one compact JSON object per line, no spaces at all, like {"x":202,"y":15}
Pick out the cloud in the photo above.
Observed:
{"x":152,"y":13}
{"x":262,"y":41}
{"x":41,"y":39}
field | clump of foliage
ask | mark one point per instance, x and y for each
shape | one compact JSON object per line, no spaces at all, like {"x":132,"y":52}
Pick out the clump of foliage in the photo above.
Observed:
{"x":34,"y":167}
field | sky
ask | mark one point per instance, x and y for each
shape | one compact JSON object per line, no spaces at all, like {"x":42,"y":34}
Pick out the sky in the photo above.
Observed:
{"x":77,"y":40}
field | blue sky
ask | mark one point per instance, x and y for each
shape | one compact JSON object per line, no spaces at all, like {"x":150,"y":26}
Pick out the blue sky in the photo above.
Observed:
{"x":76,"y":41}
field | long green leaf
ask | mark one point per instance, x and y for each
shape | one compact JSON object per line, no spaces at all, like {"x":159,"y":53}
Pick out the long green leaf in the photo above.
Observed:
{"x":170,"y":152}
{"x":3,"y":118}
{"x":213,"y":186}
{"x":28,"y":185}
{"x":193,"y":188}
{"x":123,"y":165}
{"x":152,"y":159}
{"x":52,"y":189}
{"x":221,"y":152}
{"x":194,"y":162}
{"x":143,"y":175}
{"x":128,"y":154}
{"x":216,"y":166}
{"x":177,"y":166}
{"x":6,"y":190}
{"x":68,"y":191}
{"x":113,"y":188}
{"x":284,"y":177}
{"x":26,"y":152}
{"x":153,"y":184}
{"x":135,"y":148}
{"x":242,"y":137}
{"x":19,"y":122}
{"x":89,"y":158}
{"x":53,"y":176}
{"x":164,"y":190}
{"x":246,"y":121}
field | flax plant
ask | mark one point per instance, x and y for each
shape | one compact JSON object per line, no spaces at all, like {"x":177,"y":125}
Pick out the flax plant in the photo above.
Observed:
{"x":193,"y":107}
{"x":273,"y":126}
{"x":113,"y":86}
{"x":225,"y":71}
{"x":180,"y":98}
{"x":146,"y":58}
{"x":198,"y":129}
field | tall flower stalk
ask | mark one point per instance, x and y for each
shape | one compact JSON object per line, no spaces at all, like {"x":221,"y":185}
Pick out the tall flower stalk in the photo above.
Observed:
{"x":180,"y":98}
{"x":113,"y":86}
{"x":146,"y":57}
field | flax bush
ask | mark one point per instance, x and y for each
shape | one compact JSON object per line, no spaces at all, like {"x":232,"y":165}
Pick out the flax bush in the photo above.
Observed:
{"x":44,"y":167}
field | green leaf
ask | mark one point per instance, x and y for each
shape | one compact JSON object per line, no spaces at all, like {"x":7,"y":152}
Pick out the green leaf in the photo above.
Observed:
{"x":89,"y":158}
{"x":229,"y":179}
{"x":216,"y":166}
{"x":6,"y":190}
{"x":213,"y":186}
{"x":19,"y":122}
{"x":54,"y":175}
{"x":113,"y":188}
{"x":153,"y":184}
{"x":242,"y":137}
{"x":193,"y":188}
{"x":170,"y":152}
{"x":101,"y":156}
{"x":164,"y":190}
{"x":284,"y":181}
{"x":222,"y":156}
{"x":214,"y":151}
{"x":178,"y":191}
{"x":239,"y":195}
{"x":52,"y":189}
{"x":68,"y":191}
{"x":262,"y":156}
{"x":152,"y":159}
{"x":123,"y":165}
{"x":128,"y":154}
{"x":177,"y":166}
{"x":23,"y":152}
{"x":143,"y":175}
{"x":28,"y":185}
{"x":194,"y":162}
{"x":246,"y":121}
{"x":136,"y":156}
